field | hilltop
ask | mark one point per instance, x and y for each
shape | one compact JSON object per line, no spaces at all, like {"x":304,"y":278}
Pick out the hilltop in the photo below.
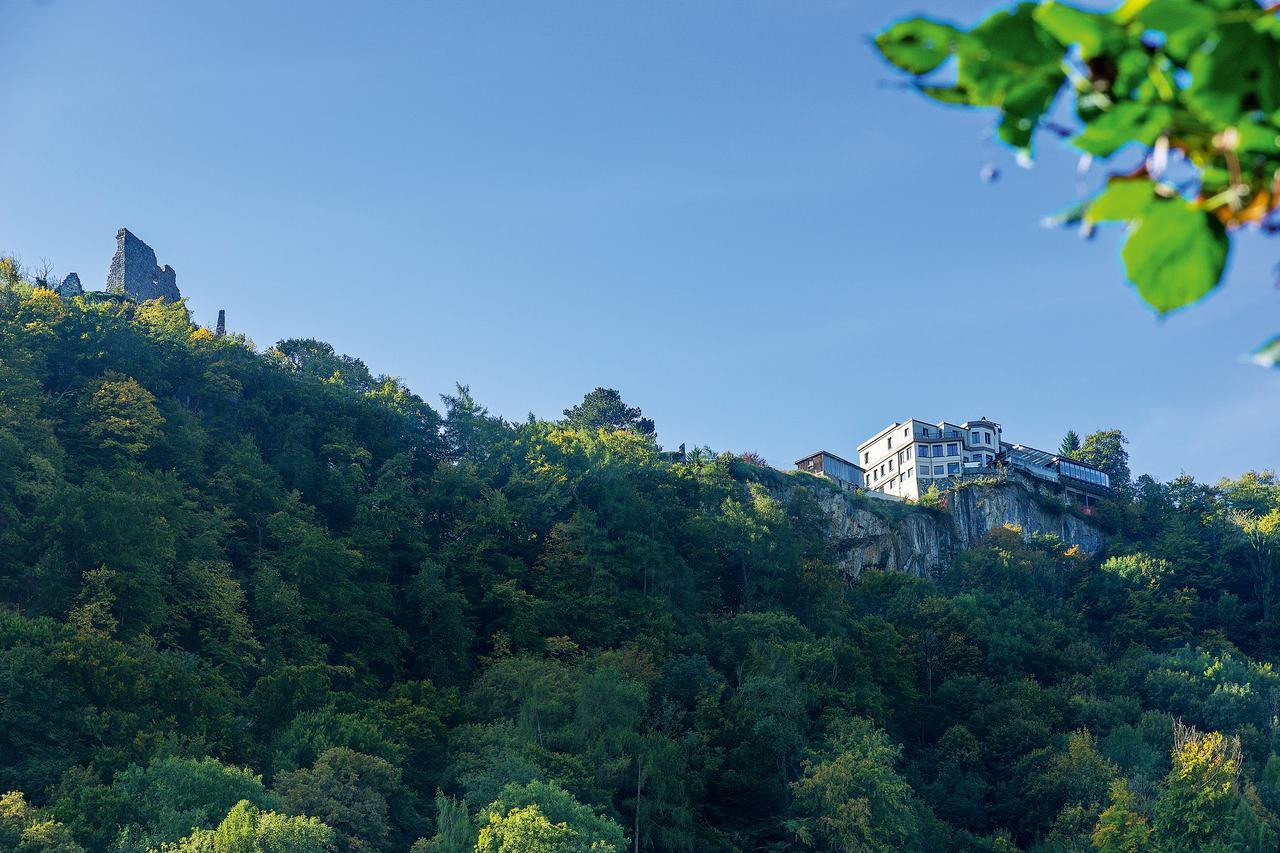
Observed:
{"x":269,"y":599}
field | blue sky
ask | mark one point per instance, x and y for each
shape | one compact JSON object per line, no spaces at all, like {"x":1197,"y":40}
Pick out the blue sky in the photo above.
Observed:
{"x":711,"y":205}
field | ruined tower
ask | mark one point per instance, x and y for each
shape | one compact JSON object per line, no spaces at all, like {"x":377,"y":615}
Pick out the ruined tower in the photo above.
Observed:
{"x":220,"y":331}
{"x":135,"y":273}
{"x":70,"y":286}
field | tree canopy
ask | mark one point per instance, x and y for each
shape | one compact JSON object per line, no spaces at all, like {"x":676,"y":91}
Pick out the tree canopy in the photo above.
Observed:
{"x":603,"y":408}
{"x":250,"y":605}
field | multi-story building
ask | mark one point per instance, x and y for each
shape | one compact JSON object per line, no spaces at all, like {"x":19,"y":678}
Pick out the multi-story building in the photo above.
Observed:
{"x":841,"y":471}
{"x":905,"y":458}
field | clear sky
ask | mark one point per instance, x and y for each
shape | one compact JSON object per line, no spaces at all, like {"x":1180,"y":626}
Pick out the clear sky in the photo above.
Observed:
{"x":711,"y":205}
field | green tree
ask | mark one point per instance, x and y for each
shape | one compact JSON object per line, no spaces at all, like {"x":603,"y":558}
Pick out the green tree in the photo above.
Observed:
{"x":318,"y":360}
{"x":1122,"y":828}
{"x":1259,"y":539}
{"x":27,"y":830}
{"x":1070,"y":444}
{"x":171,"y":796}
{"x":120,"y":415}
{"x":851,"y":797}
{"x":544,"y":818}
{"x":1249,"y":834}
{"x":603,"y":408}
{"x":455,"y":833}
{"x":248,"y":829}
{"x":527,"y":830}
{"x":349,"y":792}
{"x":1198,"y":799}
{"x":1105,"y":449}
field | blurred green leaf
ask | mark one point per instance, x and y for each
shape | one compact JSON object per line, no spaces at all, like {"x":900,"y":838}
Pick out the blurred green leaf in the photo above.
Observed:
{"x":1185,"y":24}
{"x":917,"y":45}
{"x":1237,"y":73}
{"x":1123,"y":123}
{"x":1012,"y":63}
{"x":1094,"y":32}
{"x":1175,"y":255}
{"x":1123,"y":200}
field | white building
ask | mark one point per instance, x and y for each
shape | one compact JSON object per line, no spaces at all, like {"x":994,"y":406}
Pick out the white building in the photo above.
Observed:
{"x":905,"y":458}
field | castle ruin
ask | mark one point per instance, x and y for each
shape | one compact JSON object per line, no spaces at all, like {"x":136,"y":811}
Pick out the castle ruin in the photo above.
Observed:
{"x":136,"y":274}
{"x":70,"y":286}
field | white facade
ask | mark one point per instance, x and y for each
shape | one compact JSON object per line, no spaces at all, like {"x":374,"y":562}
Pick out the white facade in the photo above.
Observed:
{"x":905,"y":458}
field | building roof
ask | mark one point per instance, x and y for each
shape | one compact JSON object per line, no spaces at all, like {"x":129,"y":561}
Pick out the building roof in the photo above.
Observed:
{"x":832,"y":455}
{"x":873,"y":438}
{"x":941,"y":425}
{"x":1033,"y":456}
{"x":1045,"y":458}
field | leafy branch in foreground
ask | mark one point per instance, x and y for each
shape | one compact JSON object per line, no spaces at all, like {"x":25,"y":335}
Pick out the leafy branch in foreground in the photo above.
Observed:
{"x":1192,"y":84}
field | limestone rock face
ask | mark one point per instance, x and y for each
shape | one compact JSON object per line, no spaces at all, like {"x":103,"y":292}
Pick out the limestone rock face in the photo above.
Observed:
{"x":976,"y":511}
{"x":901,"y":538}
{"x":135,"y":273}
{"x":70,"y":286}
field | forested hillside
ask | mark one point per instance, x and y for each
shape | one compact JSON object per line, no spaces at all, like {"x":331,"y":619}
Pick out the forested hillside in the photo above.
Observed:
{"x":268,"y":601}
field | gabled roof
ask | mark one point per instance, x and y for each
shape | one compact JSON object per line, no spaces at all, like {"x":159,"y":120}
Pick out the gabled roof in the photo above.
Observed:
{"x":832,"y":455}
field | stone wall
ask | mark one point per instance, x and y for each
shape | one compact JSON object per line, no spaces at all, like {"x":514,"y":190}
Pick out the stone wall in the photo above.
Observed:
{"x":135,"y":272}
{"x":70,"y":286}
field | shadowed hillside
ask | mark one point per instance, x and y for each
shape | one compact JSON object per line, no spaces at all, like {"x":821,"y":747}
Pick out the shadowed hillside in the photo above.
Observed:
{"x":268,"y":599}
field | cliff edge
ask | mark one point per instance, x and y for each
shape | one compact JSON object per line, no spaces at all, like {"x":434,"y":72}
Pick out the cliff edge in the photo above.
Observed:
{"x":869,"y":533}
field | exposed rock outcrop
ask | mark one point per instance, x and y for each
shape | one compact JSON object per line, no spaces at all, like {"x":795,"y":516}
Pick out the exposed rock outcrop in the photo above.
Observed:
{"x":919,"y":541}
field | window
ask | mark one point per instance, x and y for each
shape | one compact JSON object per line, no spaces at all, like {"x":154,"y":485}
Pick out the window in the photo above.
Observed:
{"x":953,"y":467}
{"x":937,"y":470}
{"x":890,"y":440}
{"x":866,"y":457}
{"x":901,"y":456}
{"x":1088,"y":475}
{"x":953,"y":449}
{"x":890,"y":464}
{"x":907,"y":431}
{"x":908,"y":452}
{"x":909,"y":473}
{"x":924,"y":451}
{"x":987,"y":436}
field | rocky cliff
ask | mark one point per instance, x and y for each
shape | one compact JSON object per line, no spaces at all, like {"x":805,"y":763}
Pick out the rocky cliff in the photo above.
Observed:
{"x":868,"y":533}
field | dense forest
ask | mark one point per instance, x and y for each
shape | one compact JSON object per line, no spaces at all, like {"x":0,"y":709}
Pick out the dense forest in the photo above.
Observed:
{"x":267,"y":601}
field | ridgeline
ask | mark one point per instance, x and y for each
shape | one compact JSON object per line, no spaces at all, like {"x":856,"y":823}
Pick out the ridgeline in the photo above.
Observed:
{"x":266,"y":600}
